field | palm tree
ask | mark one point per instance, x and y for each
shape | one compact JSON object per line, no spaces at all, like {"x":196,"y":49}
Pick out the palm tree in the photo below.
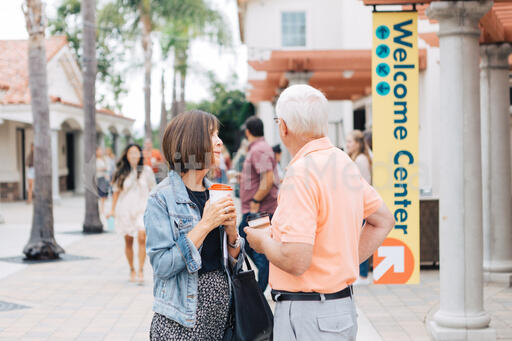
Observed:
{"x":163,"y":109}
{"x":42,"y":243}
{"x":174,"y":106}
{"x":92,"y":222}
{"x":191,"y":20}
{"x":144,"y":13}
{"x":147,"y":45}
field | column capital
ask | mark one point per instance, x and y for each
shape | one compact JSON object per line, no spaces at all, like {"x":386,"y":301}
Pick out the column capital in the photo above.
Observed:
{"x":495,"y":56}
{"x":300,"y":77}
{"x":458,"y":17}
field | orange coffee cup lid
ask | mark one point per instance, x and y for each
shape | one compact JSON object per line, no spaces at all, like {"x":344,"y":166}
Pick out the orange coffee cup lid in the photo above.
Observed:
{"x":220,"y":187}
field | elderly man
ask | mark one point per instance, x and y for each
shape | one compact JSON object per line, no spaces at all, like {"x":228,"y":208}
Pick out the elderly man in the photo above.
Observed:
{"x":316,"y":242}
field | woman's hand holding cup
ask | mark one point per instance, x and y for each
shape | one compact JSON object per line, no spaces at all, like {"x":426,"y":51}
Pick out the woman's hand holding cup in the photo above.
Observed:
{"x":218,"y":213}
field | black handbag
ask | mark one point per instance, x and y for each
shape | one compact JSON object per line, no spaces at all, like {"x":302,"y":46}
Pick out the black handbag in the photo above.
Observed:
{"x":251,"y":314}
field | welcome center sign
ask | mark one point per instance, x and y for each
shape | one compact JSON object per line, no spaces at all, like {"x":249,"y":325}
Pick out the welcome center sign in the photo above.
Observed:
{"x":395,"y":142}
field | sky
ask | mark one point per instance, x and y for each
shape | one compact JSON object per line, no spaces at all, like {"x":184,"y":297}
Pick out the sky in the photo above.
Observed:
{"x":203,"y":57}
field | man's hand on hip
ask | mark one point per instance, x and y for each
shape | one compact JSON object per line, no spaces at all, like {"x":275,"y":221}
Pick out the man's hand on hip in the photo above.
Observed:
{"x":254,"y":207}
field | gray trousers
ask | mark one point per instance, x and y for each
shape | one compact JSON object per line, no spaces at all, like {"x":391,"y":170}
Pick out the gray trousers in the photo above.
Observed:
{"x":315,"y":320}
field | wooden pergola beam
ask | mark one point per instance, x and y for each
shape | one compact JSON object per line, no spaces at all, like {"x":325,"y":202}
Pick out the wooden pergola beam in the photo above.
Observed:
{"x":409,"y":2}
{"x":492,"y":28}
{"x":349,"y":83}
{"x":321,"y":61}
{"x":395,"y":2}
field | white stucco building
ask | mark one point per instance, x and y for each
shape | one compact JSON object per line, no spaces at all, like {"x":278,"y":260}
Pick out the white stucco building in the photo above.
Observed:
{"x":464,"y":123}
{"x":334,"y":37}
{"x":66,"y":118}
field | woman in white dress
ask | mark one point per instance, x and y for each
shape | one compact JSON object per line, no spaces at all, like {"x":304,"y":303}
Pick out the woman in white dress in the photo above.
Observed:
{"x":359,"y":152}
{"x":132,"y":183}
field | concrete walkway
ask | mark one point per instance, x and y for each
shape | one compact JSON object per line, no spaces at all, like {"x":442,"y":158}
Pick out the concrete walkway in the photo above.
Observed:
{"x":89,"y":297}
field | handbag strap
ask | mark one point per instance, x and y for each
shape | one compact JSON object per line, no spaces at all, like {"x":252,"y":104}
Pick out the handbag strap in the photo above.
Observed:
{"x":226,"y":256}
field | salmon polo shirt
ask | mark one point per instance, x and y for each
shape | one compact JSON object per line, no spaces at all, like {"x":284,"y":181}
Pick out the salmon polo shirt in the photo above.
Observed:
{"x":322,"y":201}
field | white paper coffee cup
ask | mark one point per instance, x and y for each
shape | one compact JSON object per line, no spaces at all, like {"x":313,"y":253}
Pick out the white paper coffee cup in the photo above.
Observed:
{"x":258,"y":220}
{"x":219,"y":191}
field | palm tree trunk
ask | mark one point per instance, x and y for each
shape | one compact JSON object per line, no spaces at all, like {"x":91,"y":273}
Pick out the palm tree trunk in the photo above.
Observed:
{"x":42,"y":244}
{"x":174,"y":107}
{"x":92,"y":222}
{"x":148,"y":53}
{"x":163,"y":110}
{"x":183,"y":77}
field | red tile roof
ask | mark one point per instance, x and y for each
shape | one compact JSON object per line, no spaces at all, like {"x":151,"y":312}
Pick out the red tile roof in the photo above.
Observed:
{"x":14,"y":72}
{"x":105,"y":111}
{"x":14,"y":66}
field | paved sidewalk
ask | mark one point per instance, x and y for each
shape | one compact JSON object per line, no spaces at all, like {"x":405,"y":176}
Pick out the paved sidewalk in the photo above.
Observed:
{"x":399,"y":312}
{"x":88,"y":299}
{"x":91,"y":298}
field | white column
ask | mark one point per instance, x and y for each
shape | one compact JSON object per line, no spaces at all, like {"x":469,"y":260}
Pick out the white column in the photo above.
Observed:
{"x":461,"y":315}
{"x":79,"y":162}
{"x":55,"y":166}
{"x":368,"y":108}
{"x":118,"y":149}
{"x":496,"y":177}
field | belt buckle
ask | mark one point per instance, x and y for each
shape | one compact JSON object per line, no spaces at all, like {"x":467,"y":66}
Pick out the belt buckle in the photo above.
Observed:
{"x":276,"y":297}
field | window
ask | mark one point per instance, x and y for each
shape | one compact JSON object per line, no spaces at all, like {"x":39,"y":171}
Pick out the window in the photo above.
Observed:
{"x":293,"y":29}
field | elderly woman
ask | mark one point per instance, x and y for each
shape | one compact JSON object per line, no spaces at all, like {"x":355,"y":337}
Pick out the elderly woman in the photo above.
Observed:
{"x":184,"y":242}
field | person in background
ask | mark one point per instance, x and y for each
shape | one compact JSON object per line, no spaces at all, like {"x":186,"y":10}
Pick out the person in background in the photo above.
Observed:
{"x":277,"y":155}
{"x":153,"y":158}
{"x":369,"y":141}
{"x":238,"y":163}
{"x":111,"y":162}
{"x":258,"y":188}
{"x":359,"y":152}
{"x":132,"y":183}
{"x":227,"y":157}
{"x":315,"y":243}
{"x":31,"y":174}
{"x":102,"y":181}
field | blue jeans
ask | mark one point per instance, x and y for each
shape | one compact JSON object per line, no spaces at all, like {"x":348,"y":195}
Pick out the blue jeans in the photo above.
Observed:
{"x":259,"y":259}
{"x":363,"y":268}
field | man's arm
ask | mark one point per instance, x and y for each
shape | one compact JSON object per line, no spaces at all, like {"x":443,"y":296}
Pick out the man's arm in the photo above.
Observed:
{"x":294,"y":258}
{"x":266,"y":183}
{"x":377,"y":227}
{"x":263,"y":164}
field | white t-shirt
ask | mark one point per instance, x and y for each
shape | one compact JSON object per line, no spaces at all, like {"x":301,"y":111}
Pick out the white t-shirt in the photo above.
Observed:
{"x":101,"y":168}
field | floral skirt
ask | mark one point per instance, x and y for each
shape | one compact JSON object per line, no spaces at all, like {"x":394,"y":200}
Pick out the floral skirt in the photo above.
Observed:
{"x":211,"y":316}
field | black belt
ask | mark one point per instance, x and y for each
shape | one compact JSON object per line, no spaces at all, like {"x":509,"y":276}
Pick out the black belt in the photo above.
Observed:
{"x":278,"y":295}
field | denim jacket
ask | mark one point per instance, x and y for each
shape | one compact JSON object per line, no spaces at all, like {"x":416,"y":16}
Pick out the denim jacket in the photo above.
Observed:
{"x":169,"y":216}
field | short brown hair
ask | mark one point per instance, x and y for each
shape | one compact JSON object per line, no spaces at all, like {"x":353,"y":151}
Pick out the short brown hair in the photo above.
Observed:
{"x":187,"y":142}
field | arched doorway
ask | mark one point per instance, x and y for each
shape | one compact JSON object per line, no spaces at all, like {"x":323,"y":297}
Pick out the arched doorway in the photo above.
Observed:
{"x":70,"y":157}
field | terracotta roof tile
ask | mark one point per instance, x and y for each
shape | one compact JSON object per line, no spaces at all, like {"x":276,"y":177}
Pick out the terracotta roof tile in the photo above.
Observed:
{"x":54,"y":99}
{"x":14,"y":66}
{"x":14,"y":72}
